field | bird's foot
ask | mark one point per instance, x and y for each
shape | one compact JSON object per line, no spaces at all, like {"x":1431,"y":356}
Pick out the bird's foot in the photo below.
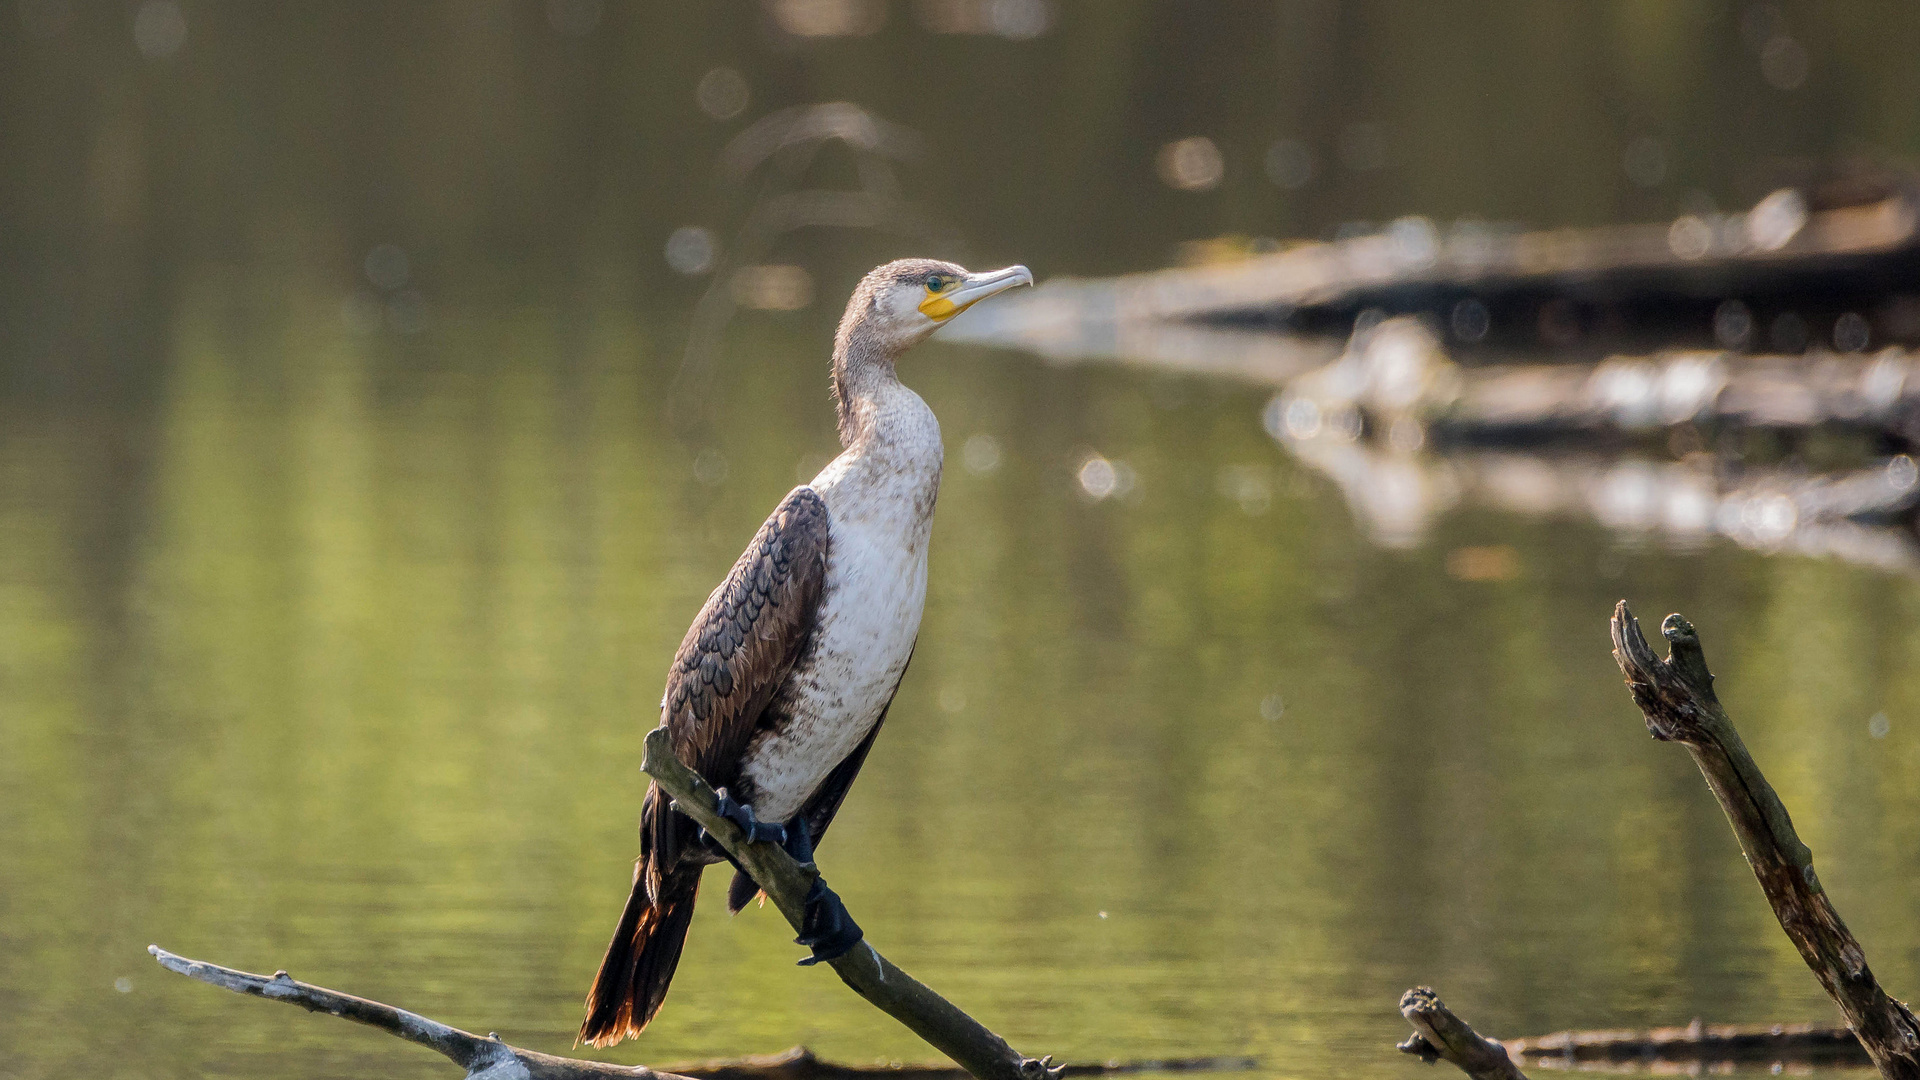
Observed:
{"x":826,"y":927}
{"x":741,"y":814}
{"x":799,"y":841}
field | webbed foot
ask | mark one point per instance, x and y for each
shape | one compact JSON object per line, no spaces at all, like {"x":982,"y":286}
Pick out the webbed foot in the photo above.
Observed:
{"x":826,"y":927}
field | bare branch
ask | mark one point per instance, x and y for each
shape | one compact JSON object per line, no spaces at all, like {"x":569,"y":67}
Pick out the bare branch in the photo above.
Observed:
{"x":928,"y":1015}
{"x":484,"y":1059}
{"x":1440,"y":1034}
{"x":1676,"y":696}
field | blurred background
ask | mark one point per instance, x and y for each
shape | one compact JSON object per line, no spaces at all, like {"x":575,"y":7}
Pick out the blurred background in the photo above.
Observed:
{"x":383,"y":387}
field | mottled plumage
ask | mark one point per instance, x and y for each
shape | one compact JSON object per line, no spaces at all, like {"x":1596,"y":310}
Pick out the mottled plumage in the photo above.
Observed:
{"x":781,"y":684}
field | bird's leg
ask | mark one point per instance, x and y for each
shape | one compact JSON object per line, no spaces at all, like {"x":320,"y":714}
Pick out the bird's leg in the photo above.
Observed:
{"x":742,"y":815}
{"x":825,"y":926}
{"x":799,"y":841}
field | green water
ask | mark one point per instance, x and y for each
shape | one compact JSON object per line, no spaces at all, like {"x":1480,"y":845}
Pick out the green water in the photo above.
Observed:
{"x":329,"y":647}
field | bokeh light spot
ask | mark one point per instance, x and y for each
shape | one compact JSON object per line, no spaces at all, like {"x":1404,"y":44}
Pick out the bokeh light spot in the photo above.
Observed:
{"x":159,"y":29}
{"x":722,"y":93}
{"x":1784,"y":63}
{"x":1191,"y":164}
{"x":981,"y":454}
{"x":827,"y":18}
{"x":773,"y":287}
{"x":1732,"y":324}
{"x":692,"y":250}
{"x":1851,"y":333}
{"x":1470,"y":320}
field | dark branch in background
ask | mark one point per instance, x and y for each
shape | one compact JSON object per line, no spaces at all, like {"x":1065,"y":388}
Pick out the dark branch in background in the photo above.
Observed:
{"x":1437,"y":1034}
{"x":484,"y":1059}
{"x":930,"y":1016}
{"x":1819,"y":1044}
{"x":1676,"y":695}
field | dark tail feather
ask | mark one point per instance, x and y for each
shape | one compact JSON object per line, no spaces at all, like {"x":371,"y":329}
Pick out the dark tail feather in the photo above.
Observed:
{"x":639,"y":963}
{"x":742,"y":892}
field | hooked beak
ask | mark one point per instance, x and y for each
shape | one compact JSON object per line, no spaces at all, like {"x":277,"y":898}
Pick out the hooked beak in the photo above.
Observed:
{"x":975,"y":288}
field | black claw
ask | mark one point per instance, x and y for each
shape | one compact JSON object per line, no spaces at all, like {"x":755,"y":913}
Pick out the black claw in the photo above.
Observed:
{"x":826,"y":927}
{"x":742,"y":815}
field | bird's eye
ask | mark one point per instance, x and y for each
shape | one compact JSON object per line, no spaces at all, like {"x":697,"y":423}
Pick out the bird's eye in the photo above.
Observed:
{"x":936,"y":283}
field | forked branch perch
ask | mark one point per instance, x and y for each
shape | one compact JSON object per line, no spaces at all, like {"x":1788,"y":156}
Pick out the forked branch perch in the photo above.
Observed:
{"x":1676,"y":696}
{"x":930,"y":1016}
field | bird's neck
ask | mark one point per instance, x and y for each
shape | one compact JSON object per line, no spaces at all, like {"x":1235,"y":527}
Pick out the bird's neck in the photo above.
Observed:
{"x":863,"y":375}
{"x":893,"y":451}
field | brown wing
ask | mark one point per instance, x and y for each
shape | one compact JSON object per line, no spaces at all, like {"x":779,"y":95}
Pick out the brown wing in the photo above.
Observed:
{"x":735,"y":656}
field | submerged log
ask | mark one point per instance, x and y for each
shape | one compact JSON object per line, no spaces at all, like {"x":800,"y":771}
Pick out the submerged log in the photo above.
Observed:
{"x":1823,"y":1044}
{"x":800,"y":1063}
{"x":1676,"y":697}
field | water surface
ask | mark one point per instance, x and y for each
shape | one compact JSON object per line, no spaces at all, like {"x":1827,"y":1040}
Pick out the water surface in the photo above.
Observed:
{"x":332,"y":612}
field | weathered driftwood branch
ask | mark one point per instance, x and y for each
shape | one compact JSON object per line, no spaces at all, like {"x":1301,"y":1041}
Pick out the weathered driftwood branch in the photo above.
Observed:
{"x":928,"y":1015}
{"x":800,"y":1063}
{"x":1825,"y":1044}
{"x":1676,"y":695}
{"x":492,"y":1059}
{"x":1437,"y":1034}
{"x":483,"y":1058}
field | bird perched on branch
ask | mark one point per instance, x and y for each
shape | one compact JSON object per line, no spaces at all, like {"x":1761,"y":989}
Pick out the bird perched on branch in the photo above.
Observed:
{"x":784,"y":678}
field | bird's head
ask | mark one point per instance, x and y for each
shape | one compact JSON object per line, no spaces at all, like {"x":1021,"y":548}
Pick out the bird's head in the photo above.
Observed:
{"x":899,"y":304}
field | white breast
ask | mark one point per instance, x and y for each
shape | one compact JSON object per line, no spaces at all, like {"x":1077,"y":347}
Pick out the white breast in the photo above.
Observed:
{"x":880,"y":498}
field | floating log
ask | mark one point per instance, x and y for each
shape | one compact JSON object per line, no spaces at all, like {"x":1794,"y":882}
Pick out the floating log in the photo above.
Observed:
{"x":1814,"y":258}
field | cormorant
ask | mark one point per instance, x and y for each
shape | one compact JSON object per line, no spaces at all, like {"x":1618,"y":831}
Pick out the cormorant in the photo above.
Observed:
{"x":784,"y":678}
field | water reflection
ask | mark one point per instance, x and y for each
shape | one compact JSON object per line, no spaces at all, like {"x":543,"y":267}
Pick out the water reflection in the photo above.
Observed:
{"x":341,"y":664}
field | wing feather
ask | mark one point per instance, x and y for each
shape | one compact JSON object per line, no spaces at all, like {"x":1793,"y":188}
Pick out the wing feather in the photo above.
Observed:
{"x":738,"y":651}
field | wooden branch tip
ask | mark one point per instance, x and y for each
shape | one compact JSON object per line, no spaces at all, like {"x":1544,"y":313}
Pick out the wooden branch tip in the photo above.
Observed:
{"x":1677,"y":700}
{"x":1438,"y":1033}
{"x":943,"y":1025}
